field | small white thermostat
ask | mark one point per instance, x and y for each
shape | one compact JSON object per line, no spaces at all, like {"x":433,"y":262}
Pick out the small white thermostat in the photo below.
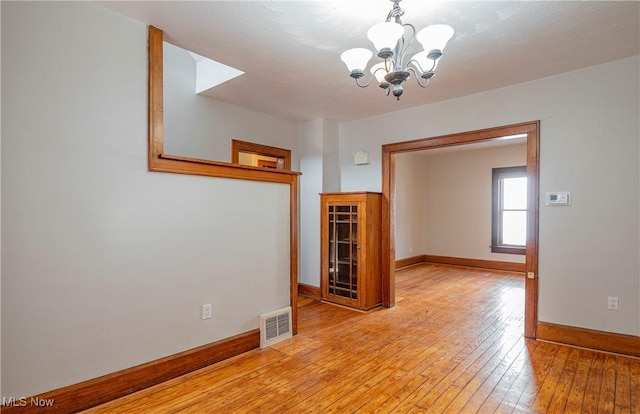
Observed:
{"x":558,"y":198}
{"x":361,"y":158}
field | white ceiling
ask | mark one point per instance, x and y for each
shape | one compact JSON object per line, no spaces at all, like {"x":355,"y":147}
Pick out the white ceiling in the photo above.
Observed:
{"x":290,"y":50}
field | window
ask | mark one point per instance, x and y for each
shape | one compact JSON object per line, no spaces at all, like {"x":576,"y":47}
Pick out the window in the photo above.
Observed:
{"x":509,"y":218}
{"x":259,"y":155}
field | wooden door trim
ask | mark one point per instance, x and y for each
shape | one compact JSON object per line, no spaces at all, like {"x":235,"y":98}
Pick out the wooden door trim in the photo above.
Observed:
{"x":389,"y":151}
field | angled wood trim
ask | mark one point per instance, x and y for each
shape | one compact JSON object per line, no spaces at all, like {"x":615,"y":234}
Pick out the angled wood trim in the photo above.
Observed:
{"x":158,"y":161}
{"x":589,"y":338}
{"x":308,"y":291}
{"x":238,"y":146}
{"x":531,"y":129}
{"x":87,"y":394}
{"x":409,"y":261}
{"x":479,"y":263}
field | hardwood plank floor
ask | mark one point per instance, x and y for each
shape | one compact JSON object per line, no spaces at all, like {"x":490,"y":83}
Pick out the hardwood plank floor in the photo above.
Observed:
{"x":453,"y":344}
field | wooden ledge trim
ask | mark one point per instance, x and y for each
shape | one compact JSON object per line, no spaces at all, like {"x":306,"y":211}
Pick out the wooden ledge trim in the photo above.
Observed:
{"x":482,"y":264}
{"x":87,"y":394}
{"x":192,"y":166}
{"x":589,"y":338}
{"x":226,"y":164}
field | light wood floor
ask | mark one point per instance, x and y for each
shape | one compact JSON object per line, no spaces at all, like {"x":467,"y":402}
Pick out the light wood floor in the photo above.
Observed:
{"x":453,"y":343}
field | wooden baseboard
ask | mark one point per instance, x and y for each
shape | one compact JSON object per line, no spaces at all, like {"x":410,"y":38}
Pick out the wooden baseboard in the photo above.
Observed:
{"x":87,"y":394}
{"x":408,"y":261}
{"x":309,"y":291}
{"x":482,"y":264}
{"x":589,"y":338}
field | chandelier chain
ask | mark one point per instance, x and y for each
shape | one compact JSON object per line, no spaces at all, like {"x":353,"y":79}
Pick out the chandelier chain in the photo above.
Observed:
{"x":396,"y":12}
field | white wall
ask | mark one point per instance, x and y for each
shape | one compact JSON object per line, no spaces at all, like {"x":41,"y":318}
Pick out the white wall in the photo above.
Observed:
{"x":201,"y":127}
{"x":318,"y":146}
{"x":310,"y":145}
{"x":104,"y":264}
{"x":458,"y":201}
{"x":589,"y":146}
{"x":331,"y":157}
{"x":410,"y":203}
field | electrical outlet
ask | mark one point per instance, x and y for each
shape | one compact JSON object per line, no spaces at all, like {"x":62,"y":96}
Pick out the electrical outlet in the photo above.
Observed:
{"x":206,"y":311}
{"x":613,"y":303}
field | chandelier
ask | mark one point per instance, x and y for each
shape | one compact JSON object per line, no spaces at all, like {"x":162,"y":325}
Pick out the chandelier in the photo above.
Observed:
{"x":391,"y":42}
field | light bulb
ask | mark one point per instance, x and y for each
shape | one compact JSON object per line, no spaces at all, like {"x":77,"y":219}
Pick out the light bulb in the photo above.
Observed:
{"x":379,"y":71}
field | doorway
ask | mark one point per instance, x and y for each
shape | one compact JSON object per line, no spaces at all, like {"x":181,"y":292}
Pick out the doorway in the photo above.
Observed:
{"x":389,"y":151}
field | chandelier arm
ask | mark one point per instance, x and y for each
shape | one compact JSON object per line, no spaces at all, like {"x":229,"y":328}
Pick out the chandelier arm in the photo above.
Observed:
{"x":388,"y":65}
{"x":366,"y":84}
{"x":417,"y":76}
{"x":433,"y":66}
{"x":423,"y":85}
{"x":407,"y":44}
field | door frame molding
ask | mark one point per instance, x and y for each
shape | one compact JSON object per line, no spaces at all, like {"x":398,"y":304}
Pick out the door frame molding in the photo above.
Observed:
{"x":389,"y":151}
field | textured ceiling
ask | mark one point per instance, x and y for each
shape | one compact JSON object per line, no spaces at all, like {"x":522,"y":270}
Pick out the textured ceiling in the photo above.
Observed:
{"x":290,"y":50}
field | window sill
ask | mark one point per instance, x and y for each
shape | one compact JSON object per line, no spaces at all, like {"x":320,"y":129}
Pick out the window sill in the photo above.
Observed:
{"x":508,"y":249}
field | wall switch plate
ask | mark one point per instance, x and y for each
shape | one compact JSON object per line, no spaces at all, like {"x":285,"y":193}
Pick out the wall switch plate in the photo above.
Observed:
{"x":558,"y":198}
{"x":206,"y":311}
{"x":361,"y":158}
{"x":613,"y":303}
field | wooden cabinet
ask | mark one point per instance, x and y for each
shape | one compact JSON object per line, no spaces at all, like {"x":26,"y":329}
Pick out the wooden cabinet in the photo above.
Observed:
{"x":350,"y":249}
